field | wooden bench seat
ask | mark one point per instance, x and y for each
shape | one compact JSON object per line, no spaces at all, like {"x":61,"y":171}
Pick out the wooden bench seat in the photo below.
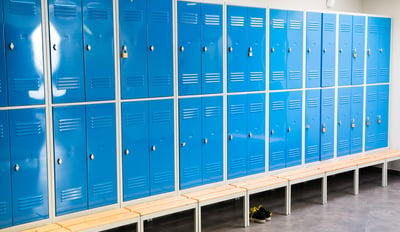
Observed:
{"x":48,"y":228}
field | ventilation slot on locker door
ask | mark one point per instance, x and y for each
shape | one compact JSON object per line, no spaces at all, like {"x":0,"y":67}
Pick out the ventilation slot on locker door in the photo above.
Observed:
{"x":189,"y":18}
{"x":71,"y":194}
{"x":294,"y":75}
{"x":162,"y":177}
{"x":213,"y":111}
{"x":28,"y":128}
{"x":3,"y":208}
{"x":101,"y":122}
{"x":237,"y":21}
{"x":278,"y":23}
{"x":345,"y":28}
{"x":256,"y":76}
{"x":314,"y":26}
{"x":23,"y":85}
{"x":329,"y":74}
{"x":327,"y":101}
{"x":294,"y":104}
{"x":103,"y":188}
{"x":294,"y":153}
{"x":329,"y":27}
{"x":256,"y":107}
{"x":65,"y":83}
{"x":100,"y":83}
{"x":212,"y":20}
{"x":135,"y":81}
{"x":343,"y":145}
{"x":373,"y":29}
{"x":161,"y":117}
{"x":327,"y":147}
{"x":65,"y":11}
{"x":22,"y":7}
{"x":371,"y":138}
{"x":26,"y":203}
{"x":236,"y":109}
{"x":357,"y":74}
{"x":236,"y":77}
{"x":278,"y":105}
{"x":359,"y":28}
{"x":295,"y":24}
{"x":97,"y":14}
{"x":344,"y":73}
{"x":256,"y":22}
{"x":69,"y":124}
{"x":212,"y":78}
{"x":132,"y":16}
{"x":311,"y":150}
{"x":135,"y":119}
{"x":313,"y":74}
{"x":356,"y":142}
{"x":1,"y":131}
{"x":136,"y":182}
{"x":190,"y":172}
{"x":160,"y":17}
{"x":189,"y":79}
{"x":161,"y":80}
{"x":212,"y":168}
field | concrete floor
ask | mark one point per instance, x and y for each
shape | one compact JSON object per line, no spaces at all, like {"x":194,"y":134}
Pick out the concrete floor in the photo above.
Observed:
{"x":374,"y":209}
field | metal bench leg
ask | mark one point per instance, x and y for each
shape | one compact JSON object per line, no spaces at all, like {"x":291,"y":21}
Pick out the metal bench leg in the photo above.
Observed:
{"x":356,"y":181}
{"x":288,"y":198}
{"x":324,"y":189}
{"x":140,"y":225}
{"x":246,"y":210}
{"x":385,"y":174}
{"x":197,"y":219}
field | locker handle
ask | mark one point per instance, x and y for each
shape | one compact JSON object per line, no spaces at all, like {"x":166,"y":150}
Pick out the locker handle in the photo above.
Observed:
{"x":353,"y":123}
{"x":205,"y":49}
{"x":88,"y":47}
{"x":250,"y":52}
{"x":289,"y":129}
{"x":205,"y":141}
{"x":153,"y":148}
{"x":151,"y":48}
{"x":339,"y":123}
{"x":325,"y":50}
{"x":341,"y":50}
{"x":272,"y":132}
{"x":309,"y":50}
{"x":55,"y":47}
{"x":59,"y":161}
{"x":126,"y":152}
{"x":272,"y":50}
{"x":183,"y":144}
{"x":308,"y":126}
{"x":289,"y":50}
{"x":379,"y":119}
{"x":16,"y":167}
{"x":124,"y":53}
{"x":230,"y":137}
{"x":380,"y":50}
{"x":11,"y":46}
{"x":250,"y":135}
{"x":323,"y":129}
{"x":91,"y":157}
{"x":355,"y":53}
{"x":181,"y":48}
{"x":369,"y":51}
{"x":230,"y":49}
{"x":367,"y":122}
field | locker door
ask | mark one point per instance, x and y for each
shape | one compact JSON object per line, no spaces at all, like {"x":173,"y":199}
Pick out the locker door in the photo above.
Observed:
{"x":212,"y":139}
{"x":189,"y":42}
{"x":66,"y":51}
{"x":313,"y":48}
{"x":24,"y":53}
{"x":161,"y":147}
{"x":295,"y":49}
{"x":358,"y":54}
{"x":101,"y":155}
{"x":135,"y":143}
{"x":328,"y":50}
{"x":278,"y":49}
{"x":256,"y":133}
{"x":345,"y":49}
{"x":371,"y":120}
{"x":160,"y":60}
{"x":277,"y":133}
{"x":3,"y":77}
{"x":5,"y":177}
{"x":327,"y":122}
{"x":383,"y":116}
{"x":133,"y":42}
{"x":313,"y":112}
{"x":70,"y":159}
{"x":384,"y":50}
{"x":237,"y":136}
{"x":190,"y":139}
{"x":256,"y":49}
{"x":294,"y":128}
{"x":211,"y":58}
{"x":237,"y":48}
{"x":372,"y":50}
{"x":356,"y":134}
{"x":344,"y":121}
{"x":98,"y":36}
{"x":29,"y":165}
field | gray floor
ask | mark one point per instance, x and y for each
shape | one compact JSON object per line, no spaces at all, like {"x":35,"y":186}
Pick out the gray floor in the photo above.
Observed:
{"x":374,"y":209}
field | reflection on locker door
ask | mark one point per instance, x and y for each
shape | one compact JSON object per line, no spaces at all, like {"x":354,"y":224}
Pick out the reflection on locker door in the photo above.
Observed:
{"x":24,"y":53}
{"x":101,"y":155}
{"x":294,"y":50}
{"x":70,"y":159}
{"x":277,"y":127}
{"x":371,"y":119}
{"x":294,"y":128}
{"x":3,"y":76}
{"x":5,"y":171}
{"x":327,"y":123}
{"x":312,"y":126}
{"x":345,"y":49}
{"x":313,"y":48}
{"x":356,"y":131}
{"x":66,"y":51}
{"x":99,"y":53}
{"x":28,"y":162}
{"x":358,"y":50}
{"x":328,"y":50}
{"x":344,"y":121}
{"x":255,"y":133}
{"x":382,"y":118}
{"x":278,"y":49}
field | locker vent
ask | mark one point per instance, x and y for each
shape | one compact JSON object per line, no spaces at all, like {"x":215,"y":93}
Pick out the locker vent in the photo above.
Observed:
{"x":162,"y":177}
{"x":356,"y":142}
{"x":294,"y":75}
{"x":238,"y":164}
{"x":97,"y":14}
{"x":191,"y":172}
{"x":26,"y":7}
{"x":28,"y":128}
{"x":314,"y":26}
{"x":372,"y":72}
{"x":101,"y":122}
{"x":3,"y":208}
{"x":383,"y":72}
{"x":278,"y":75}
{"x":256,"y":76}
{"x":69,"y":124}
{"x":136,"y":182}
{"x":278,"y":23}
{"x":237,"y":109}
{"x":329,"y":74}
{"x":295,"y":24}
{"x":372,"y":97}
{"x":294,"y":104}
{"x":278,"y":105}
{"x":191,"y":113}
{"x":344,"y":73}
{"x":382,"y":137}
{"x":23,"y":85}
{"x":256,"y":22}
{"x":160,"y":17}
{"x":358,"y":73}
{"x":212,"y":78}
{"x":103,"y":188}
{"x":236,"y":77}
{"x":189,"y":18}
{"x":65,"y":83}
{"x":161,"y":117}
{"x":256,"y":160}
{"x":327,"y":101}
{"x":329,"y":27}
{"x":133,"y":16}
{"x":312,"y":149}
{"x":100,"y":83}
{"x":213,"y":168}
{"x":371,"y":139}
{"x":357,"y":99}
{"x":294,"y":153}
{"x":71,"y":194}
{"x":2,"y":131}
{"x":65,"y":11}
{"x":384,"y":96}
{"x":278,"y":156}
{"x":345,"y":28}
{"x":189,"y":79}
{"x":212,"y":111}
{"x":135,"y":81}
{"x":256,"y":107}
{"x":344,"y":100}
{"x":313,"y":103}
{"x":1,"y":86}
{"x":135,"y":119}
{"x":161,"y":80}
{"x":327,"y":147}
{"x":26,"y":203}
{"x":313,"y":74}
{"x":212,"y":20}
{"x":373,"y":29}
{"x":359,"y":28}
{"x":343,"y":145}
{"x":237,"y":21}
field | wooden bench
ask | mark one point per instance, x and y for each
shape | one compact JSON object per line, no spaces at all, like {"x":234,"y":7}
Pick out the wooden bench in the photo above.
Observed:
{"x":48,"y":228}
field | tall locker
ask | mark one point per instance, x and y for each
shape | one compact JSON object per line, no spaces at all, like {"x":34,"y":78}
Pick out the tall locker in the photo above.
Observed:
{"x":294,"y":50}
{"x":356,"y":134}
{"x":384,"y":50}
{"x":383,"y":116}
{"x":312,"y":126}
{"x":5,"y":170}
{"x":358,"y":50}
{"x":327,"y":123}
{"x":328,"y":50}
{"x":294,"y":128}
{"x":313,"y":48}
{"x":3,"y":73}
{"x":345,"y":49}
{"x":256,"y":133}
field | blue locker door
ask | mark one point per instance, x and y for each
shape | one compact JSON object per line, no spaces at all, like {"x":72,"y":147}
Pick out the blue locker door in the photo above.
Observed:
{"x":277,"y":133}
{"x":327,"y":123}
{"x":256,"y":49}
{"x":98,"y":39}
{"x":70,"y":167}
{"x":133,"y":42}
{"x":211,"y":62}
{"x":159,"y":45}
{"x":372,"y":50}
{"x":255,"y":133}
{"x":66,"y":43}
{"x":294,"y":128}
{"x":161,"y":147}
{"x":358,"y":52}
{"x":190,"y":139}
{"x":101,"y":155}
{"x":29,"y":165}
{"x":24,"y":53}
{"x":382,"y":119}
{"x":212,"y":150}
{"x":356,"y":133}
{"x":344,"y":121}
{"x":189,"y":48}
{"x":345,"y":49}
{"x":278,"y":49}
{"x":135,"y":153}
{"x":3,"y":75}
{"x":237,"y":48}
{"x":313,"y":48}
{"x":371,"y":120}
{"x":384,"y":50}
{"x":237,"y":136}
{"x":5,"y":171}
{"x":294,"y":50}
{"x":313,"y":113}
{"x":328,"y":50}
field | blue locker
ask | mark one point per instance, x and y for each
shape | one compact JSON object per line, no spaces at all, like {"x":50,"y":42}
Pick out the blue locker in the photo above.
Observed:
{"x":328,"y":50}
{"x":212,"y":140}
{"x":327,"y":123}
{"x":70,"y":159}
{"x":98,"y":36}
{"x":344,"y":121}
{"x":23,"y":37}
{"x":3,"y":75}
{"x":345,"y":49}
{"x":371,"y":120}
{"x":255,"y":133}
{"x":312,"y":126}
{"x":66,"y":37}
{"x":358,"y":54}
{"x":101,"y":155}
{"x":356,"y":120}
{"x":29,"y":165}
{"x":135,"y":143}
{"x":382,"y":118}
{"x":5,"y":172}
{"x":278,"y":49}
{"x":278,"y":127}
{"x":313,"y":48}
{"x":373,"y":49}
{"x":384,"y":50}
{"x":190,"y":124}
{"x":294,"y":128}
{"x":294,"y":50}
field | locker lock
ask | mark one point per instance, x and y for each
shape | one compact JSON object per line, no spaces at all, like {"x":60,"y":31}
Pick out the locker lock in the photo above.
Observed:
{"x":309,"y":50}
{"x":289,"y":50}
{"x":250,"y":135}
{"x":250,"y":52}
{"x":230,"y":49}
{"x":126,"y":152}
{"x":153,"y":148}
{"x":183,"y":144}
{"x":91,"y":157}
{"x":355,"y":53}
{"x":369,"y":51}
{"x":323,"y":129}
{"x":88,"y":47}
{"x":124,"y":53}
{"x":205,"y":141}
{"x":16,"y":167}
{"x":379,"y":119}
{"x":59,"y":161}
{"x":181,"y":48}
{"x":272,"y":50}
{"x":151,"y":48}
{"x":308,"y":126}
{"x":55,"y":47}
{"x":205,"y":49}
{"x":353,"y":124}
{"x":272,"y":132}
{"x":367,"y":123}
{"x":11,"y":46}
{"x":230,"y":137}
